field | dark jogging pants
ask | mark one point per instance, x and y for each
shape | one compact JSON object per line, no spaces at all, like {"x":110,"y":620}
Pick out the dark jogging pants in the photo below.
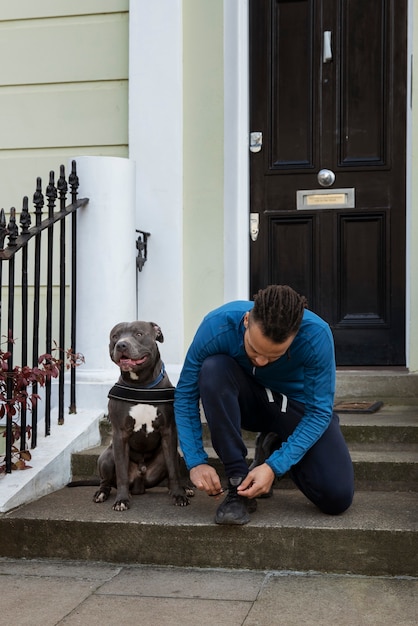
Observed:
{"x":233,"y":400}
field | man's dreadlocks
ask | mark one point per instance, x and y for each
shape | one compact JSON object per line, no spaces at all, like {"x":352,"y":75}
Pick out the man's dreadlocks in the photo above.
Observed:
{"x":278,"y":310}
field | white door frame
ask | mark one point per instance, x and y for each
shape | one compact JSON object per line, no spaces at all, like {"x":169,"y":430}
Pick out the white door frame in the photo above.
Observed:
{"x":236,"y":154}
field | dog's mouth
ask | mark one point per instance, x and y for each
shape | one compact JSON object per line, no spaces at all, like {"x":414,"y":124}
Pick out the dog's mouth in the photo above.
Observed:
{"x":126,"y":365}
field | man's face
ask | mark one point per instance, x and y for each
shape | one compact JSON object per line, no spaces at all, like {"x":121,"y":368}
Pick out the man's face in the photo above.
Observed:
{"x":261,"y":350}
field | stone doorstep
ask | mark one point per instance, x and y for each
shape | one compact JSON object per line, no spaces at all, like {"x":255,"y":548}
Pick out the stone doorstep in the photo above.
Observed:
{"x":376,"y":536}
{"x":382,"y":383}
{"x":383,"y":469}
{"x":355,"y":431}
{"x":393,"y":423}
{"x":384,"y":448}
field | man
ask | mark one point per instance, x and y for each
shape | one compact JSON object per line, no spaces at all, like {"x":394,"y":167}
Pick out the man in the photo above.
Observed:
{"x":266,"y":366}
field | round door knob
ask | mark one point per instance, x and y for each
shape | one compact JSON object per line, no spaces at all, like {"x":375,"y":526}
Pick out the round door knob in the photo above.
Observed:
{"x":326,"y":178}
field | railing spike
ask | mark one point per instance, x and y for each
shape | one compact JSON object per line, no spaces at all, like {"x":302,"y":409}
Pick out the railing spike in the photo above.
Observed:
{"x":51,"y":193}
{"x":3,"y":228}
{"x":12,"y":229}
{"x":62,"y":183}
{"x":73,"y":180}
{"x":38,"y":200}
{"x":25,"y":218}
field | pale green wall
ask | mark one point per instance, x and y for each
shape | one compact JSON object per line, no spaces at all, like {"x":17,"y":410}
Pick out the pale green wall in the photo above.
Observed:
{"x":203,"y":160}
{"x":413,"y":230}
{"x":63,"y":87}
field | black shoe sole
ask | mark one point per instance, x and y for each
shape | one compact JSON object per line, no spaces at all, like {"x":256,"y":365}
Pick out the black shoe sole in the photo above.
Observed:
{"x":232,"y":522}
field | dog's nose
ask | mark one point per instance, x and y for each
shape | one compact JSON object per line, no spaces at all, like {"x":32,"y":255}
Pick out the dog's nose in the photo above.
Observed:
{"x":121,"y":346}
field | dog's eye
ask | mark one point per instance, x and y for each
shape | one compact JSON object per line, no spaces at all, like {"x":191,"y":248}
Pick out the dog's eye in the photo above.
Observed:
{"x":139,"y":334}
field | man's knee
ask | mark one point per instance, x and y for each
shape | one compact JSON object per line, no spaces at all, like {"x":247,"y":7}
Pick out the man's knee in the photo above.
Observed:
{"x":332,"y":494}
{"x":338,"y":500}
{"x":213,"y":372}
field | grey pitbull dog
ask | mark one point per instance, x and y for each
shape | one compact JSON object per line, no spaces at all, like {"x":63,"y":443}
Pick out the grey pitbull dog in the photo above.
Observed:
{"x":143,"y":451}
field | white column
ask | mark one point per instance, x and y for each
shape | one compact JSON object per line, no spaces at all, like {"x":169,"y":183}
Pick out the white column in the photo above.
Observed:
{"x":106,"y":269}
{"x":156,"y":146}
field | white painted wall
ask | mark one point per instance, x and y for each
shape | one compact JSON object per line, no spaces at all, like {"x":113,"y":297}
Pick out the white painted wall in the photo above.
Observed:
{"x":156,"y":147}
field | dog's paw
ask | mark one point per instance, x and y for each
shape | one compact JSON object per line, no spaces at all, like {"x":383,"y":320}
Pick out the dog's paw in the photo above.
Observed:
{"x":182,"y":498}
{"x":100,"y":496}
{"x":181,"y":501}
{"x":189,"y":492}
{"x":121,"y":505}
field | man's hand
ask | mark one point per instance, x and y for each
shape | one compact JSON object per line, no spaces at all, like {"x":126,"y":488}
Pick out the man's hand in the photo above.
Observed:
{"x":257,"y":482}
{"x":205,"y":478}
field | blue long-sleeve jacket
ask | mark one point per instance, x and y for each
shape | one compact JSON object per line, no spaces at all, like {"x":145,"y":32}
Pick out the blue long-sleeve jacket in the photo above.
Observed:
{"x":308,"y":376}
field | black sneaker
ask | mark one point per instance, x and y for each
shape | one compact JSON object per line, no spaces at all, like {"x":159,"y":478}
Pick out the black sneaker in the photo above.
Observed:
{"x":235,"y":509}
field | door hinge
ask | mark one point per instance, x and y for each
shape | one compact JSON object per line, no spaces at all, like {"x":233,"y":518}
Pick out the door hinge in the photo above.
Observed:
{"x":254,"y":225}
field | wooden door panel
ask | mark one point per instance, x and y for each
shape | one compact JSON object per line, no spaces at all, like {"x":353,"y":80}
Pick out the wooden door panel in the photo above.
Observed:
{"x":346,"y":113}
{"x":292,"y":111}
{"x":365,"y":105}
{"x":293,"y":268}
{"x":362,"y":271}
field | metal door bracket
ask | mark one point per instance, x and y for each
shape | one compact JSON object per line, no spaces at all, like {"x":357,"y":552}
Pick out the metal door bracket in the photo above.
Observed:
{"x":256,"y":141}
{"x":327,"y":51}
{"x":141,"y":246}
{"x":254,"y":225}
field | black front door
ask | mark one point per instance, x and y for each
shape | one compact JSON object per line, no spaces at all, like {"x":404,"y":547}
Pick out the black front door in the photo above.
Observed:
{"x":328,"y":101}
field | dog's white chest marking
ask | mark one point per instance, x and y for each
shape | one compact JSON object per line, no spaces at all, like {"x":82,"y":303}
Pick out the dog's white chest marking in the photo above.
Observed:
{"x":143,"y":414}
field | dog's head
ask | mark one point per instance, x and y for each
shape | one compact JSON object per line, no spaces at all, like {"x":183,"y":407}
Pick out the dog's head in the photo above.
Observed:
{"x":133,"y":347}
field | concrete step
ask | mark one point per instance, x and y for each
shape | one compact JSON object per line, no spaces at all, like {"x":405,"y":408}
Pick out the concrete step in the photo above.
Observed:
{"x":383,"y":445}
{"x":392,"y":423}
{"x":377,"y":536}
{"x":381,"y":383}
{"x":382,"y":468}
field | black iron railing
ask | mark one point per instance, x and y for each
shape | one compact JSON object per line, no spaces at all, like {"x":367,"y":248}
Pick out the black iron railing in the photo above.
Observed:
{"x":34,"y":255}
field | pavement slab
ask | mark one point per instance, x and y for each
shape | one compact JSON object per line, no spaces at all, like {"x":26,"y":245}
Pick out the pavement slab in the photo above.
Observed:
{"x":309,"y":600}
{"x":56,"y":593}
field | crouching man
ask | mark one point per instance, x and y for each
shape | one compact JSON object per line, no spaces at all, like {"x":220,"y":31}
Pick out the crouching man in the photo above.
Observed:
{"x":266,"y":366}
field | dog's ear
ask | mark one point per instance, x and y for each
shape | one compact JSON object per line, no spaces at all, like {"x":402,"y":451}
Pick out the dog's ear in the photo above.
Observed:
{"x":158,"y":332}
{"x":115,"y":330}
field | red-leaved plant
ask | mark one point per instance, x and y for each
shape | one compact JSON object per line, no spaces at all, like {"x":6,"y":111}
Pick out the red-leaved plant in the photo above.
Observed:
{"x":16,"y":393}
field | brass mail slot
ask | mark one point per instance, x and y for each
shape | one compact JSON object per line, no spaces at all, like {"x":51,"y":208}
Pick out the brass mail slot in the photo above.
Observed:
{"x":325,"y":198}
